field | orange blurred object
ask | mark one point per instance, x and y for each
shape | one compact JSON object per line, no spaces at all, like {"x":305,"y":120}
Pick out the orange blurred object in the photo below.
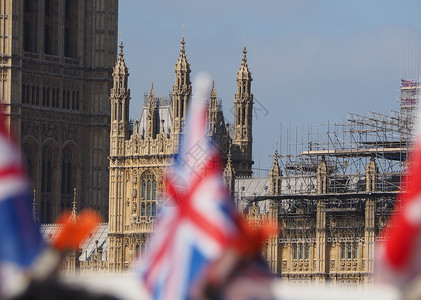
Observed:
{"x":75,"y":230}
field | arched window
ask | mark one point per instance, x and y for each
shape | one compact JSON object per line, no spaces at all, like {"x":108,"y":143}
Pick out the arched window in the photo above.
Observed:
{"x":148,"y":206}
{"x":68,"y":100}
{"x":23,"y":93}
{"x":154,"y":189}
{"x":47,"y":169}
{"x":66,"y":172}
{"x":29,"y":155}
{"x":154,"y":209}
{"x":47,"y":186}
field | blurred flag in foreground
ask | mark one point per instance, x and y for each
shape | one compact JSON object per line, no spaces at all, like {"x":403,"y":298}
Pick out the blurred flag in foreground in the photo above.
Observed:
{"x":399,"y":259}
{"x":20,"y":238}
{"x":200,"y":243}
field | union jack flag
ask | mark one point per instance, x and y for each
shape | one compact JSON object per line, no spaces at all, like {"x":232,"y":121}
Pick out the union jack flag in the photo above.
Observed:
{"x":201,"y":222}
{"x":20,"y":237}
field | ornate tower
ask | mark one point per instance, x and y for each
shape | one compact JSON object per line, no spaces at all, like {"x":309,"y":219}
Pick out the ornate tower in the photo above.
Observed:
{"x":120,"y":98}
{"x":151,"y":118}
{"x":243,"y":104}
{"x":181,"y":90}
{"x":56,"y":60}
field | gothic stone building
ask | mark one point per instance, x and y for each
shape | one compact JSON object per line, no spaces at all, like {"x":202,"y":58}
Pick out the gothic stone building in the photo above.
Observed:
{"x":56,"y":65}
{"x":140,"y":155}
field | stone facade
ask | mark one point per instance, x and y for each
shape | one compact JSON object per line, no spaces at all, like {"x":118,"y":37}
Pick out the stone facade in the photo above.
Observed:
{"x":56,"y":63}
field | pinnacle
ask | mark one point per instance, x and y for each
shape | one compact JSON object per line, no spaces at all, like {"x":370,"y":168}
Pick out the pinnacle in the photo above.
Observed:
{"x":121,"y":54}
{"x":244,"y":54}
{"x":183,"y":50}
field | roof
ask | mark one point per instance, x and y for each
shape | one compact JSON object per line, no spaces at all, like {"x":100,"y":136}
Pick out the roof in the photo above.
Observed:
{"x":100,"y":234}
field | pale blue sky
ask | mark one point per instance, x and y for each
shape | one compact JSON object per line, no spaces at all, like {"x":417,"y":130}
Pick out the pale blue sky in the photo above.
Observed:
{"x":312,"y":61}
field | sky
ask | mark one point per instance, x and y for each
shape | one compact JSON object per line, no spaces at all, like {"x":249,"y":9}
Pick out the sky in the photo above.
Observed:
{"x":312,"y":61}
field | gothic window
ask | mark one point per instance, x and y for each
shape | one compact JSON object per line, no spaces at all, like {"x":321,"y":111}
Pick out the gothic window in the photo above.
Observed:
{"x":77,"y":100}
{"x":66,"y":172}
{"x":51,"y":26}
{"x":33,"y":95}
{"x":48,"y":96}
{"x":47,"y":169}
{"x":37,"y":96}
{"x":30,"y":25}
{"x":148,"y":207}
{"x":47,"y":186}
{"x":307,"y":256}
{"x":29,"y":155}
{"x":295,"y":246}
{"x":71,"y":21}
{"x":301,"y":251}
{"x":23,"y":94}
{"x":355,"y":250}
{"x":68,"y":100}
{"x":343,"y":250}
{"x":243,"y":120}
{"x":349,"y":250}
{"x":73,"y":100}
{"x":53,"y":98}
{"x":44,"y":96}
{"x":120,"y":108}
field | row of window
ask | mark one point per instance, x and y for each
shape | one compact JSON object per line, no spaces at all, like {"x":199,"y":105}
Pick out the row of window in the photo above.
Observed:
{"x":52,"y":25}
{"x":51,"y":97}
{"x":302,"y":250}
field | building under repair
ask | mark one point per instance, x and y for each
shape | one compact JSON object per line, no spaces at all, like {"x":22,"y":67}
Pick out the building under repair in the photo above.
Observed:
{"x":332,"y":197}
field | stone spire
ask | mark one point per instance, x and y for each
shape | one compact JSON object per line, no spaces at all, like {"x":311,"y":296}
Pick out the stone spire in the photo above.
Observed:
{"x":275,"y":175}
{"x":213,"y":110}
{"x":73,"y":214}
{"x":229,"y":173}
{"x":181,"y":90}
{"x":151,"y":115}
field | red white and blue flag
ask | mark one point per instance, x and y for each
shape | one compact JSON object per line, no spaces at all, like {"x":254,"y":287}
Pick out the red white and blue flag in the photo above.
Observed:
{"x":20,"y":237}
{"x":199,"y":222}
{"x":399,"y":258}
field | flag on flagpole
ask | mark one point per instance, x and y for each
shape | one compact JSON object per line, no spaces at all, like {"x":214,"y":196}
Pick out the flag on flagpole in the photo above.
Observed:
{"x":20,"y":237}
{"x":199,"y":222}
{"x":399,"y":257}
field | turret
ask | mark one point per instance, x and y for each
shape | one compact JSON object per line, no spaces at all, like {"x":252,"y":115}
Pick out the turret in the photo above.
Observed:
{"x":213,"y":111}
{"x":229,"y":174}
{"x":120,"y":100}
{"x":275,"y":176}
{"x":151,"y":119}
{"x":181,"y":90}
{"x":243,"y":102}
